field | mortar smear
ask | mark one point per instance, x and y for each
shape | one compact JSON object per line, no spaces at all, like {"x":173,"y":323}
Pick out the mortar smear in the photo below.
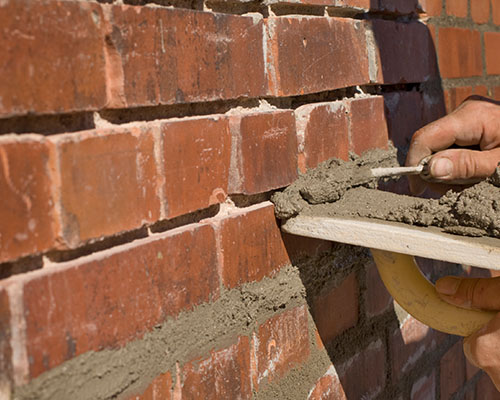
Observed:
{"x":475,"y":211}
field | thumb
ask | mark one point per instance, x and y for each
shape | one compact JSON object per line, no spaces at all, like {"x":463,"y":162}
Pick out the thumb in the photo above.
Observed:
{"x":479,"y":293}
{"x":455,"y":164}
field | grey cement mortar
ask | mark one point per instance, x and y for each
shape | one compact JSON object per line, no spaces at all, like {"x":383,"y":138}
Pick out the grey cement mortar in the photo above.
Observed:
{"x":337,"y":188}
{"x":119,"y":373}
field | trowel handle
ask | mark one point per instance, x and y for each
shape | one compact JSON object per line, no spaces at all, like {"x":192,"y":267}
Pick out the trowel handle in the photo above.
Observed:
{"x":415,"y":294}
{"x":426,"y":176}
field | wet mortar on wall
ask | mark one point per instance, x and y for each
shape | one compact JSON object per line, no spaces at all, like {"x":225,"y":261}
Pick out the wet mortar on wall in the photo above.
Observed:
{"x":342,"y":188}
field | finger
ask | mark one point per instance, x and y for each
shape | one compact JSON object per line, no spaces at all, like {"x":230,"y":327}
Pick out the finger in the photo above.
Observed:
{"x":482,"y":350}
{"x":455,"y":164}
{"x":479,"y":293}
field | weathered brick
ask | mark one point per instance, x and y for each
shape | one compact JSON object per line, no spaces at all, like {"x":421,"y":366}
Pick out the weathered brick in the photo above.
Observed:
{"x":168,"y":55}
{"x":404,"y":117}
{"x":452,"y":367}
{"x":195,"y":155}
{"x":424,"y":388}
{"x":398,"y":6}
{"x":378,"y":299}
{"x":258,"y":139}
{"x":433,"y":106}
{"x":26,"y":204}
{"x":403,"y":52}
{"x":337,"y":310}
{"x":495,"y":11}
{"x":300,"y":246}
{"x":368,"y":125}
{"x":251,"y":245}
{"x":281,"y":343}
{"x":51,"y":58}
{"x":224,"y":375}
{"x":106,"y":299}
{"x":312,"y":54}
{"x":358,"y":5}
{"x":459,"y":53}
{"x":159,"y":389}
{"x":5,"y":337}
{"x":457,"y":8}
{"x":492,"y":52}
{"x":480,"y":11}
{"x":485,"y":389}
{"x":322,"y":131}
{"x":108,"y":182}
{"x":409,"y":343}
{"x":455,"y":96}
{"x":364,"y":375}
{"x":431,"y":7}
{"x":327,"y":387}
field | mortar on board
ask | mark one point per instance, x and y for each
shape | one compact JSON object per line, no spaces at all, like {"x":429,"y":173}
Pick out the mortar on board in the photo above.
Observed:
{"x":335,"y":202}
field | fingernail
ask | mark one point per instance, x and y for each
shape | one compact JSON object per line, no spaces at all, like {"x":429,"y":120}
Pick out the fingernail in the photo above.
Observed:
{"x":442,"y":168}
{"x":448,"y":285}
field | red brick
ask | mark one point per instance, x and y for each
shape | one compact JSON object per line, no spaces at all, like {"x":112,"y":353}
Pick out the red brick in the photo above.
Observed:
{"x":457,"y":8}
{"x":433,"y":107}
{"x":409,"y":343}
{"x":364,"y":5}
{"x":258,"y":139}
{"x":481,"y":90}
{"x":492,"y":52}
{"x":159,"y":389}
{"x":322,"y":130}
{"x":224,"y":375}
{"x":337,"y":310}
{"x":251,"y":245}
{"x":328,"y":387}
{"x":51,"y":58}
{"x":403,"y":52}
{"x":431,"y":7}
{"x":301,"y":246}
{"x":496,"y":93}
{"x":459,"y":53}
{"x":470,"y":370}
{"x":364,"y":375}
{"x":424,"y":388}
{"x":398,"y":6}
{"x":310,"y":54}
{"x":455,"y":96}
{"x":108,"y":182}
{"x":5,"y":337}
{"x":404,"y":116}
{"x":196,"y":157}
{"x":378,"y":299}
{"x":26,"y":202}
{"x":495,"y":11}
{"x":282,"y":343}
{"x":485,"y":389}
{"x":168,"y":55}
{"x":452,"y":367}
{"x":368,"y":125}
{"x":480,"y":11}
{"x":106,"y":299}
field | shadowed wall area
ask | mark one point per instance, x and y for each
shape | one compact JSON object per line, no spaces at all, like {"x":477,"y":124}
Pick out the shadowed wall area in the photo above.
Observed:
{"x":140,"y":143}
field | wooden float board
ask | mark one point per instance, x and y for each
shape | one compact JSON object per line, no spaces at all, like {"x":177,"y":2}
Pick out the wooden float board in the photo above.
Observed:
{"x":428,"y":242}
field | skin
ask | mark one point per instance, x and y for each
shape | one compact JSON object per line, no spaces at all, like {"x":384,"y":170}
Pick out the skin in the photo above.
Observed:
{"x":475,"y":123}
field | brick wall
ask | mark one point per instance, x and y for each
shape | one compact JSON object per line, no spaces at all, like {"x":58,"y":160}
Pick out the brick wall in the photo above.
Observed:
{"x":139,"y":146}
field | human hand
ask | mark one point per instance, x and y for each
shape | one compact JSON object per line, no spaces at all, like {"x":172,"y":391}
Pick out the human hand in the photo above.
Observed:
{"x":475,"y":122}
{"x":482,"y":348}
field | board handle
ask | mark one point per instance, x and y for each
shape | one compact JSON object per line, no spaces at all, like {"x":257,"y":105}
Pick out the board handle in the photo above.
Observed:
{"x":417,"y":296}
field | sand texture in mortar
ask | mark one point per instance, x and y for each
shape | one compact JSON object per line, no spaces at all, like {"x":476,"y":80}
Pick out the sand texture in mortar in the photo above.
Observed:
{"x":336,"y":188}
